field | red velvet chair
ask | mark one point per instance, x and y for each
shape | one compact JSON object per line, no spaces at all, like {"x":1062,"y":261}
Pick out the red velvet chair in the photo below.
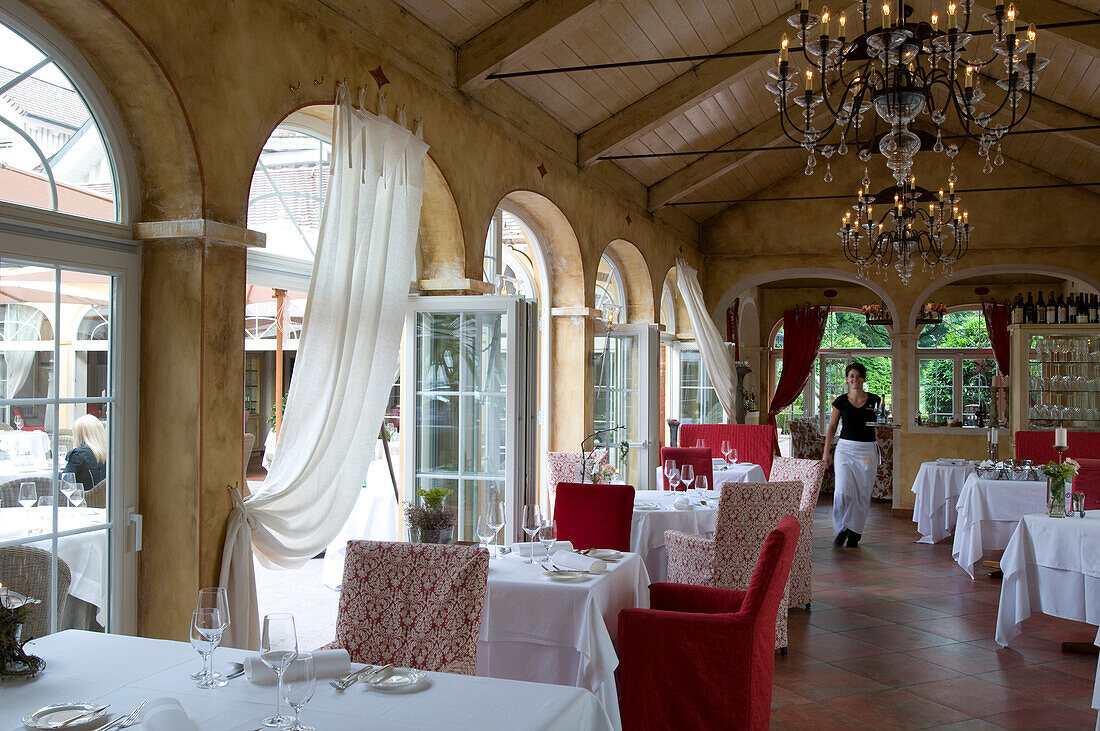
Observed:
{"x":595,"y":516}
{"x":704,"y":658}
{"x":1088,"y":482}
{"x":699,"y":458}
{"x":754,"y":443}
{"x":1038,"y":446}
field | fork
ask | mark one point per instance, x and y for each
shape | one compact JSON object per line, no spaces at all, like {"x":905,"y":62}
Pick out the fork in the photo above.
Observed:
{"x":124,"y":721}
{"x":350,"y":679}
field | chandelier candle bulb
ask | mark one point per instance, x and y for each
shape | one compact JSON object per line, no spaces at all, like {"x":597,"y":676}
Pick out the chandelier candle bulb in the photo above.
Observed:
{"x":1012,"y":20}
{"x":886,"y":15}
{"x":805,"y":6}
{"x":840,"y":31}
{"x":1033,"y":38}
{"x":935,"y":22}
{"x":809,"y":81}
{"x":783,"y":49}
{"x":825,"y":23}
{"x":952,"y":21}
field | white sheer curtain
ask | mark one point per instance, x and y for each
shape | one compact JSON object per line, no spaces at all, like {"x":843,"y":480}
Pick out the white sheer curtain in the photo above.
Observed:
{"x":346,"y":359}
{"x":712,"y":348}
{"x":21,"y":322}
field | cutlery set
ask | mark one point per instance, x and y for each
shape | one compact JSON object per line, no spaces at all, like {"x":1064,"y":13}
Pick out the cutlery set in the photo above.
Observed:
{"x":367,"y":675}
{"x":123,"y":721}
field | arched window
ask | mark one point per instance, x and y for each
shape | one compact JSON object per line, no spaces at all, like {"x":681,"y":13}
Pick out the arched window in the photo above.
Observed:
{"x":956,"y":368}
{"x":288,"y":191}
{"x":95,"y":325}
{"x":52,"y":151}
{"x":610,"y":293}
{"x":510,"y":256}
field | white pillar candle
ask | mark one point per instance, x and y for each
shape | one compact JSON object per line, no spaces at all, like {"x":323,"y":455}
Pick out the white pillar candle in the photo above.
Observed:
{"x":993,"y":435}
{"x":1060,"y":437}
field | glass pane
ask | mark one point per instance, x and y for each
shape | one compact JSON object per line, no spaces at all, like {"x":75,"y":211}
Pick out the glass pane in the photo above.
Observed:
{"x":86,"y":301}
{"x":616,"y":411}
{"x":965,"y":329}
{"x":485,"y":434}
{"x":52,"y":154}
{"x":85,"y":557}
{"x":437,"y":423}
{"x":879,"y":376}
{"x":26,"y":341}
{"x":849,"y":331}
{"x":473,"y":499}
{"x":936,"y":390}
{"x":977,"y":378}
{"x":485,"y":351}
{"x":438,"y":353}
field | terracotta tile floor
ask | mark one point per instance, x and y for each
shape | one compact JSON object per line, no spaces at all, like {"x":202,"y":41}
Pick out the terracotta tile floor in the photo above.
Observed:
{"x":900,"y":638}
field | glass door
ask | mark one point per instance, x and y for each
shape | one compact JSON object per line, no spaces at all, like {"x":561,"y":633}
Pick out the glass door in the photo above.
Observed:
{"x":471,"y":403}
{"x":625,"y":378}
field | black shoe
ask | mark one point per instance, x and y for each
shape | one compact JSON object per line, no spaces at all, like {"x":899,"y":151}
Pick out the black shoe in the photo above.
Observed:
{"x":853,"y":539}
{"x":839,"y":540}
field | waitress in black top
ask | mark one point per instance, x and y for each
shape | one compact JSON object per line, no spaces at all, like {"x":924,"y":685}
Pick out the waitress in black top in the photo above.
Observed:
{"x":855,"y":458}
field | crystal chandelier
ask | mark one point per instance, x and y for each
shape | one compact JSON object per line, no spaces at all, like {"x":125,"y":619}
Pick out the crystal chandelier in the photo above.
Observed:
{"x":907,"y":71}
{"x":917,"y":225}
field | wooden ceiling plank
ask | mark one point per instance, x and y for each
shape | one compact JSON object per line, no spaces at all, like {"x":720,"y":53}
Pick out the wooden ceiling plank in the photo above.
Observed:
{"x":683,"y":92}
{"x":704,"y":24}
{"x":530,"y":28}
{"x":682,"y":29}
{"x":1082,"y":38}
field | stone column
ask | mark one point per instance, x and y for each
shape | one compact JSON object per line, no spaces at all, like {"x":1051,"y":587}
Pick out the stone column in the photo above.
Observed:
{"x":192,"y":410}
{"x":572,"y":333}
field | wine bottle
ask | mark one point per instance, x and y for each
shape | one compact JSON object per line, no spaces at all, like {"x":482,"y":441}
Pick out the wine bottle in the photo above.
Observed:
{"x":1018,"y":310}
{"x":1040,"y":310}
{"x":1052,"y":310}
{"x":1093,"y":309}
{"x":1029,"y":311}
{"x":1061,"y":312}
{"x":1082,"y":309}
{"x":1071,"y":307}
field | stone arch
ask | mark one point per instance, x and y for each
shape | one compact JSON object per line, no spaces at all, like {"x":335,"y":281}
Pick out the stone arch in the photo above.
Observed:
{"x":933,"y":287}
{"x":560,"y":249}
{"x":640,"y":302}
{"x":152,"y":119}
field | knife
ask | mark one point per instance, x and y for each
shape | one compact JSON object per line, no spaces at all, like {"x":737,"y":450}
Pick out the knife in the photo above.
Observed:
{"x":83,"y":716}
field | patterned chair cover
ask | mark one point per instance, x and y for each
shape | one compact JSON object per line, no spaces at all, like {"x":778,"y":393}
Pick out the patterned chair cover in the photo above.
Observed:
{"x":810,"y":472}
{"x":807,"y":442}
{"x":884,"y":479}
{"x":566,"y":467}
{"x":747,"y":512}
{"x":412,"y":604}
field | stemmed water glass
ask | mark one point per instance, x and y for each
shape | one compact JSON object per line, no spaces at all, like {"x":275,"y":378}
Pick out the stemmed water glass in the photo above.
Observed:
{"x":484,"y":532}
{"x":687,"y":476}
{"x":28,"y":495}
{"x":726,"y":451}
{"x":700,"y":444}
{"x":701,"y":486}
{"x":297,"y":684}
{"x":68,"y":485}
{"x":213,"y":597}
{"x":207,"y":626}
{"x":672,"y":473}
{"x":548,"y":535}
{"x":76,"y":497}
{"x":532,"y":519}
{"x":278,"y":647}
{"x":495,"y":518}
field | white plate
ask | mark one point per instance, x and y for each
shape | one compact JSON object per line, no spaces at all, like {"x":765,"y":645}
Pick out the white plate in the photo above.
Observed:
{"x":646,"y":506}
{"x":566,"y":576}
{"x":53,"y":716}
{"x":604,"y":554}
{"x":398,"y":679}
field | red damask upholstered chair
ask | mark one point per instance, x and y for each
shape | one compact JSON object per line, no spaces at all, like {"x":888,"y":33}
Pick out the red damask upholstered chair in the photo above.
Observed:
{"x":884,"y":478}
{"x":698,"y":457}
{"x":810,"y":473}
{"x":754,"y":442}
{"x":566,"y":467}
{"x":703,"y":658}
{"x":807,"y":442}
{"x":747,"y":512}
{"x":595,"y":516}
{"x":1088,"y":482}
{"x":412,"y":604}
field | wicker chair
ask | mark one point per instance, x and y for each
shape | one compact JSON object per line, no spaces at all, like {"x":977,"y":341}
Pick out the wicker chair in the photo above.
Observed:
{"x":27,"y":571}
{"x":97,"y":496}
{"x":9,"y":491}
{"x":64,"y":442}
{"x":5,"y":426}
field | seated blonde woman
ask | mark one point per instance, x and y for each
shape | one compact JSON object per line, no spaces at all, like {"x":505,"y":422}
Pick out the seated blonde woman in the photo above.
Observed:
{"x":88,"y":461}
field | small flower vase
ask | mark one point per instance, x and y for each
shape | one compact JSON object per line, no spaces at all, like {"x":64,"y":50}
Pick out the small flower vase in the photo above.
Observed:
{"x":1056,"y":497}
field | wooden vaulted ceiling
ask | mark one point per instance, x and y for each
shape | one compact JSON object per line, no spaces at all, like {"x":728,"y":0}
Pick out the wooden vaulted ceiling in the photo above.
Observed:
{"x":722,"y":102}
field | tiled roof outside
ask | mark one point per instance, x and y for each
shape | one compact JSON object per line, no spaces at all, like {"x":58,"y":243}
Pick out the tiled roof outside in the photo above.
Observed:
{"x":45,"y":101}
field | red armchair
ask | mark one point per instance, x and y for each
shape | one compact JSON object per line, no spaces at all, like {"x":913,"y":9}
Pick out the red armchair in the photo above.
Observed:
{"x":1088,"y":482}
{"x":595,"y":516}
{"x":699,"y":458}
{"x":701,"y":657}
{"x":1038,"y":446}
{"x":754,"y":443}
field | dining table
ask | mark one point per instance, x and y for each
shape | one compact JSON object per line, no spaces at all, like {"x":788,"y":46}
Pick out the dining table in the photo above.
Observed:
{"x":656,"y":511}
{"x":125,"y":671}
{"x":1052,"y":565}
{"x":563,"y":632}
{"x":937,"y":487}
{"x":989,"y":511}
{"x":723,"y":473}
{"x":84,"y":552}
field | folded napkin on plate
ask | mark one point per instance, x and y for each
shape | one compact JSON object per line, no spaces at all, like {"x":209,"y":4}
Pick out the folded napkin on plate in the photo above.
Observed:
{"x":570,"y":560}
{"x":682,"y":503}
{"x":166,"y":714}
{"x":328,"y":663}
{"x":523,"y":550}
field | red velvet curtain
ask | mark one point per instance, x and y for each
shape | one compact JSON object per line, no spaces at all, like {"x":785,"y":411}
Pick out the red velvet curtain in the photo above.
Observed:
{"x":802,"y":331}
{"x":996,"y":324}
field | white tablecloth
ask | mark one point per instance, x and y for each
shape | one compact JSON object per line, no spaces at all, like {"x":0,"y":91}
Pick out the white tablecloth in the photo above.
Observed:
{"x":988,"y":513}
{"x":85,"y":553}
{"x":737,"y":472}
{"x":647,"y":528}
{"x":36,"y":443}
{"x":1052,"y":565}
{"x":553,"y":632}
{"x":937,"y":488}
{"x":124,"y":671}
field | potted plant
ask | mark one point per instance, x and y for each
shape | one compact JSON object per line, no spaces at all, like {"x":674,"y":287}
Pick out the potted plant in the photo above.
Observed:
{"x":429,"y":520}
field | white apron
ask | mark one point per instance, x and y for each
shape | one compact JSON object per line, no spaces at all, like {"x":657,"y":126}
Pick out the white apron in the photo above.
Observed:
{"x":855,"y":465}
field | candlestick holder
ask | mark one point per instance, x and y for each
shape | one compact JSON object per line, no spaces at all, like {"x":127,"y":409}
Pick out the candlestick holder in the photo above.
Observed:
{"x":993,"y":452}
{"x":1060,"y":450}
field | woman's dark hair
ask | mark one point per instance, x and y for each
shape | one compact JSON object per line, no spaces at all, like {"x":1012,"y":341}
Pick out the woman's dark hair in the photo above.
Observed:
{"x":858,"y":368}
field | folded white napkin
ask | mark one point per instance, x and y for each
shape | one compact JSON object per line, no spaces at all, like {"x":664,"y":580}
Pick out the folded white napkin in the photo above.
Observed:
{"x":523,"y":550}
{"x":328,"y":663}
{"x":166,"y":714}
{"x":682,"y":503}
{"x":570,"y":560}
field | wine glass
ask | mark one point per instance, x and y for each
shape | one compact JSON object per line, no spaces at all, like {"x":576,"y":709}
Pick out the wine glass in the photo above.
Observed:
{"x":687,"y":476}
{"x":297,"y":685}
{"x":701,"y":486}
{"x":732,"y":458}
{"x":213,"y":597}
{"x":76,"y":497}
{"x":671,"y":470}
{"x":484,"y":532}
{"x":207,"y":626}
{"x":699,"y":444}
{"x":548,"y":535}
{"x":278,"y":646}
{"x":46,"y":501}
{"x":495,"y":518}
{"x":532,"y":519}
{"x":726,"y":451}
{"x":28,"y":495}
{"x":68,"y":484}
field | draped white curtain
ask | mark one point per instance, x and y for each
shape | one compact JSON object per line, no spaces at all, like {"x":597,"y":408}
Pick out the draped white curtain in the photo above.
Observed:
{"x":21,"y":322}
{"x":346,"y":359}
{"x":712,"y":348}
